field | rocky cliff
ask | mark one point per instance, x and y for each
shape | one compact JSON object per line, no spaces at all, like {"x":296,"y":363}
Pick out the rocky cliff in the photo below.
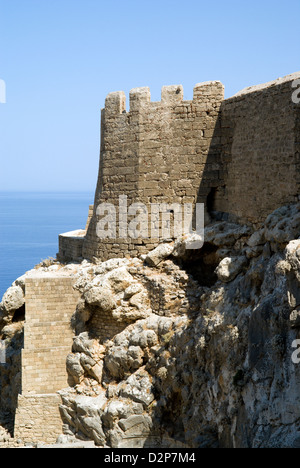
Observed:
{"x":180,"y":347}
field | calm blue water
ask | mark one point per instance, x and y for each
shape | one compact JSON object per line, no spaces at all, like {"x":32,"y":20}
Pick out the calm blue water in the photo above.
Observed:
{"x":29,"y":227}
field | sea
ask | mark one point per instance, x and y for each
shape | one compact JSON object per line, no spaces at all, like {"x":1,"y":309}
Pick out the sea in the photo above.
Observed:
{"x":30,"y":224}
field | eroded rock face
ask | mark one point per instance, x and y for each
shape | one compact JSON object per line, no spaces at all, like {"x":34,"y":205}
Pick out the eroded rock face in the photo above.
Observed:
{"x":205,"y":367}
{"x":12,"y":300}
{"x":192,"y":363}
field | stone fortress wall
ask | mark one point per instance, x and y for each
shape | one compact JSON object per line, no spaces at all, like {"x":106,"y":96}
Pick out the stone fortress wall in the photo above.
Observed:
{"x":156,"y":153}
{"x":260,"y":150}
{"x":50,"y":303}
{"x":238,"y":156}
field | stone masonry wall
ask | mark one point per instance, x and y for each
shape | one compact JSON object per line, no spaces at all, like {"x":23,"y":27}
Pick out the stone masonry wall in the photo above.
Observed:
{"x":38,"y":419}
{"x":50,"y":303}
{"x":70,"y":246}
{"x":239,"y":156}
{"x":71,"y":243}
{"x":155,"y":153}
{"x":104,"y":326}
{"x":260,"y":136}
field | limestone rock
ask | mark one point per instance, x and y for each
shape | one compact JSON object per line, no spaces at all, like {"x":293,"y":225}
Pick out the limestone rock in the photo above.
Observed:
{"x":138,"y":387}
{"x":187,"y":365}
{"x":133,"y":289}
{"x":225,"y":234}
{"x":143,"y":339}
{"x":119,"y":279}
{"x":120,"y":409}
{"x":160,"y":253}
{"x":13,"y":299}
{"x":292,"y":253}
{"x":189,"y":242}
{"x":116,"y":362}
{"x":110,"y":265}
{"x":74,"y":367}
{"x":120,"y":360}
{"x":91,"y":406}
{"x":91,"y":367}
{"x":137,"y":425}
{"x":139,"y":300}
{"x":84,"y":344}
{"x":101,"y":297}
{"x":11,"y":330}
{"x":283,"y":225}
{"x":295,"y":319}
{"x":20,"y":282}
{"x":89,"y":412}
{"x":229,"y":268}
{"x":256,"y":239}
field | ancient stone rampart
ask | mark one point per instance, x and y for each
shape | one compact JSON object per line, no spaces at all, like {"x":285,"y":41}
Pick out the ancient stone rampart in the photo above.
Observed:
{"x":239,"y":156}
{"x":50,"y":303}
{"x":155,"y":153}
{"x":260,"y":151}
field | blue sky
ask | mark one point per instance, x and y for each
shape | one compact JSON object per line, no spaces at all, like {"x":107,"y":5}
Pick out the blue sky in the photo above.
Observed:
{"x":60,"y":58}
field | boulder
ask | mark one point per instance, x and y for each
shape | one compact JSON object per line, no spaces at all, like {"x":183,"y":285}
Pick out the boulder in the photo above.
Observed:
{"x":110,"y":265}
{"x":20,"y":282}
{"x":89,"y":411}
{"x":225,"y":234}
{"x":83,"y":344}
{"x":230,"y":267}
{"x":90,"y":406}
{"x":143,"y":339}
{"x":13,"y":299}
{"x":120,"y":409}
{"x":133,"y":289}
{"x":189,"y":242}
{"x":160,"y":253}
{"x":137,"y":425}
{"x":135,"y":357}
{"x":116,"y":361}
{"x":295,"y":319}
{"x":101,"y":297}
{"x":256,"y":239}
{"x":74,"y":367}
{"x":138,"y":387}
{"x":92,"y":427}
{"x":119,"y":279}
{"x":283,"y":225}
{"x":91,"y":367}
{"x":139,"y":300}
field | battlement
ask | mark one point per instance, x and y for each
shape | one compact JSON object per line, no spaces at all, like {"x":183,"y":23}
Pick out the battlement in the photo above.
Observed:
{"x":140,"y":98}
{"x":239,"y":156}
{"x":156,"y":153}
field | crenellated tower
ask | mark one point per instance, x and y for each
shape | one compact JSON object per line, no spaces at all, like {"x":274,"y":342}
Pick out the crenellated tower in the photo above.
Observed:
{"x":239,"y":156}
{"x":156,"y":153}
